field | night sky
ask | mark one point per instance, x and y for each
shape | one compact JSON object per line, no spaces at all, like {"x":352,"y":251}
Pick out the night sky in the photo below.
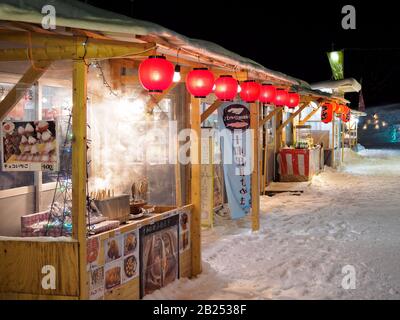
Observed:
{"x":291,"y":37}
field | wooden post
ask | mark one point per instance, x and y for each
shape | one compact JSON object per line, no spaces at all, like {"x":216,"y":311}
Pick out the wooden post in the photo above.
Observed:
{"x":333,"y":143}
{"x":255,"y":186}
{"x":79,"y":169}
{"x":38,"y":174}
{"x":278,"y":130}
{"x":343,"y":135}
{"x":195,"y":154}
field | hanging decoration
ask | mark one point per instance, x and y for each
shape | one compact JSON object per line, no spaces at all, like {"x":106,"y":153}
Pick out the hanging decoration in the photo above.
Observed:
{"x":339,"y":109}
{"x":156,"y":74}
{"x":346,"y":115}
{"x":293,"y":99}
{"x":250,"y":91}
{"x":200,"y":82}
{"x":226,"y":88}
{"x":327,"y":112}
{"x":281,"y":97}
{"x":267,"y":93}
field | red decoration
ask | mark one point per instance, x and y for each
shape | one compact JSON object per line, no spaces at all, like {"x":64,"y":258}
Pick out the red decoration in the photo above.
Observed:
{"x":200,"y":82}
{"x":293,"y":99}
{"x":226,"y":88}
{"x":250,"y":91}
{"x":281,"y":98}
{"x":339,"y":109}
{"x":267,"y":93}
{"x":156,"y":74}
{"x":327,"y":112}
{"x":346,"y":114}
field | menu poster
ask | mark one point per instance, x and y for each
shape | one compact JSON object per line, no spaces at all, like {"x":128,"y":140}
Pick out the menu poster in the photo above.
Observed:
{"x":113,"y":273}
{"x":184,"y":231}
{"x":29,"y":146}
{"x":159,"y":254}
{"x":92,"y":251}
{"x":97,"y":284}
{"x":131,"y":256}
{"x":113,"y":248}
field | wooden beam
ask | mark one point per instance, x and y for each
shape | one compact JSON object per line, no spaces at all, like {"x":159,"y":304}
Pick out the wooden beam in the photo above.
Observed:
{"x":269,"y":116}
{"x":255,"y":185}
{"x":278,"y":133}
{"x":195,"y":153}
{"x":308,"y":117}
{"x":59,"y":47}
{"x":210,"y":110}
{"x":86,"y":33}
{"x":18,"y":91}
{"x":156,"y":99}
{"x":292,"y":116}
{"x":79,"y":169}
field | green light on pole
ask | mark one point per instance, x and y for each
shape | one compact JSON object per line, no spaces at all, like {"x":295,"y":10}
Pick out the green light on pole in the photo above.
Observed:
{"x":336,"y":59}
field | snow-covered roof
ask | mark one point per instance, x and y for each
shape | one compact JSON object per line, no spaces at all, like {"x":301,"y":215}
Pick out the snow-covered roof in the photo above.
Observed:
{"x":343,"y":86}
{"x":79,"y":15}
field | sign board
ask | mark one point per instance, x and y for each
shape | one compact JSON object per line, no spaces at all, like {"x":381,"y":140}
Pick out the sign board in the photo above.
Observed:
{"x":29,"y":146}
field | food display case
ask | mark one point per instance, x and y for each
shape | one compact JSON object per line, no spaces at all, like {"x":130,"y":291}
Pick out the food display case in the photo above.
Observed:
{"x":303,"y":136}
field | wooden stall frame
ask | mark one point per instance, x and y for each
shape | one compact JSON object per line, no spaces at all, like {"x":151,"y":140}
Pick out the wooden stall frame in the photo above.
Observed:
{"x":255,"y":174}
{"x":195,"y":179}
{"x":79,"y":170}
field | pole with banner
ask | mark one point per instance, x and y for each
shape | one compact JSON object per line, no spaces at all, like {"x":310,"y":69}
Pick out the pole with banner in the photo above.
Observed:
{"x":234,"y":122}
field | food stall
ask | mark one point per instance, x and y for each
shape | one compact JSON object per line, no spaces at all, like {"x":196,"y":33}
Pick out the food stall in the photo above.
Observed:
{"x":98,"y":204}
{"x":302,"y":162}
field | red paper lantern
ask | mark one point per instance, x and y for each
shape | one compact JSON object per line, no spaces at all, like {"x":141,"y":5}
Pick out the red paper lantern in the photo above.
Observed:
{"x":339,"y":109}
{"x":250,"y":91}
{"x":293,"y":99}
{"x":327,"y":112}
{"x":200,"y":82}
{"x":267,"y":93}
{"x":226,"y":88}
{"x":281,"y":98}
{"x":346,"y":114}
{"x":156,"y":74}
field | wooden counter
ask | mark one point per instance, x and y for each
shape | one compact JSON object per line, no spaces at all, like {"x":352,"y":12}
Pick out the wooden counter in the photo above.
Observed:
{"x":131,"y":289}
{"x":23,"y":263}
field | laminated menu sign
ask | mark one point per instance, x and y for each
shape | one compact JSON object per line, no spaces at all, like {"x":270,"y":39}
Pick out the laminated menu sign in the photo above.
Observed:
{"x":29,"y":146}
{"x":113,"y":249}
{"x":97,"y":284}
{"x":131,"y":256}
{"x":159,"y":254}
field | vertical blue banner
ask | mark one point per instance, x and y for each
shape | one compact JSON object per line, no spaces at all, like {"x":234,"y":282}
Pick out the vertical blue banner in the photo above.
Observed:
{"x":234,"y":124}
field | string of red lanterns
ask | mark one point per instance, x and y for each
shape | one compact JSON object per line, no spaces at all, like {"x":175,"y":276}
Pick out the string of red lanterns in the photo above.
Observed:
{"x":156,"y":74}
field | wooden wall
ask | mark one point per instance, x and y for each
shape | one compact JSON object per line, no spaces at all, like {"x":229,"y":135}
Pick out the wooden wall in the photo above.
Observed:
{"x":21,"y":269}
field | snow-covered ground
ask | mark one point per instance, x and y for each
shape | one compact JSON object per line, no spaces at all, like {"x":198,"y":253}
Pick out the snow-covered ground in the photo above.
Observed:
{"x":346,"y":217}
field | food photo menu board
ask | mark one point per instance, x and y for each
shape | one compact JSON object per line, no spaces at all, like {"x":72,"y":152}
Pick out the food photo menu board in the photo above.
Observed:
{"x":29,"y":146}
{"x":159,"y":254}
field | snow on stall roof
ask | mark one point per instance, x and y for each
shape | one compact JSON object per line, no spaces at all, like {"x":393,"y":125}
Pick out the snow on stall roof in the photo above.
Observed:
{"x":83,"y":16}
{"x":344,"y":85}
